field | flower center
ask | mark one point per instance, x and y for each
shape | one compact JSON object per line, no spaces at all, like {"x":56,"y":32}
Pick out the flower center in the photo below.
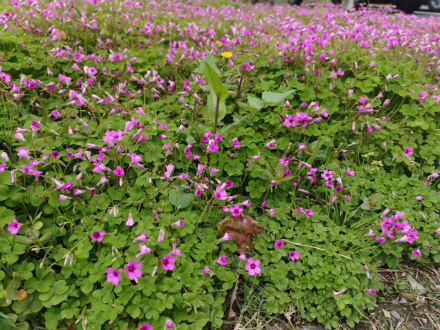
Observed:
{"x":130,"y":268}
{"x":253,"y":266}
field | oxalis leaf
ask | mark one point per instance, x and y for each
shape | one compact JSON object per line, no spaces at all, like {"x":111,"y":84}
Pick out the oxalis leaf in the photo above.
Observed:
{"x":273,"y":97}
{"x":179,"y":198}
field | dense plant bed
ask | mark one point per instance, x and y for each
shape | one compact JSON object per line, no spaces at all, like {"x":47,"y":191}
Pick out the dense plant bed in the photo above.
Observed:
{"x":158,"y":156}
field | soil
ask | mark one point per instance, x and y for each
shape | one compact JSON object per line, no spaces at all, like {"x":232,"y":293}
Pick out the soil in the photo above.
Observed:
{"x":400,"y":307}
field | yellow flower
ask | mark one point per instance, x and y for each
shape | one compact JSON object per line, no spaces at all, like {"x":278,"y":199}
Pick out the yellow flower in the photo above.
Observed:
{"x":218,"y":42}
{"x":227,"y":54}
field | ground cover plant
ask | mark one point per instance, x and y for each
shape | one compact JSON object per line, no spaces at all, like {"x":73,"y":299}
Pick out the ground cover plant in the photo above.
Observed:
{"x":159,"y":156}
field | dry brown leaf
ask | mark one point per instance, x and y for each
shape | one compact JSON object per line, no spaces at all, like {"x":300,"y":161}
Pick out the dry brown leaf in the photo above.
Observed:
{"x":72,"y":326}
{"x":231,"y":313}
{"x":22,"y":295}
{"x":242,"y":228}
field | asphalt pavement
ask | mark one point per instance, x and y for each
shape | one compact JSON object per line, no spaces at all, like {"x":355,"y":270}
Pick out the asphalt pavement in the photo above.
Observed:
{"x":423,"y":12}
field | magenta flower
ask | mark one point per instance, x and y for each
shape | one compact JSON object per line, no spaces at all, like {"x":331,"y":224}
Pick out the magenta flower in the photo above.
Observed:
{"x":161,"y":235}
{"x":242,"y":256}
{"x":294,"y":255}
{"x":141,"y":238}
{"x":222,"y":260}
{"x":253,"y":266}
{"x":370,"y":233}
{"x":416,"y":253}
{"x":279,"y":244}
{"x":113,"y":275}
{"x":129,"y":222}
{"x":235,"y":210}
{"x":146,"y":326}
{"x":98,"y":235}
{"x":226,"y":237}
{"x":143,"y":250}
{"x":370,"y":291}
{"x":14,"y":226}
{"x":409,"y":151}
{"x":175,"y":251}
{"x":264,"y":204}
{"x":118,"y":171}
{"x":271,"y":211}
{"x":327,"y":174}
{"x":168,"y":262}
{"x":270,"y":144}
{"x":339,"y":292}
{"x":179,"y":223}
{"x":206,"y":270}
{"x":220,"y":193}
{"x":133,"y":269}
{"x":169,"y":324}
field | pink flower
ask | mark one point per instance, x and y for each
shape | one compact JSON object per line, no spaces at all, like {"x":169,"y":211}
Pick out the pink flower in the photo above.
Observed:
{"x":235,"y":143}
{"x":416,"y":253}
{"x":167,"y":173}
{"x":253,"y":266}
{"x":23,"y":153}
{"x":163,"y":125}
{"x":220,"y":193}
{"x":175,"y":251}
{"x":143,"y":250}
{"x":168,"y":262}
{"x":206,"y":270}
{"x":264,"y":204}
{"x":222,"y":260}
{"x":419,"y":198}
{"x":179,"y":223}
{"x":271,"y":211}
{"x":409,"y":151}
{"x":380,"y":239}
{"x":118,"y":171}
{"x":327,"y":174}
{"x":98,"y":235}
{"x":14,"y":226}
{"x":270,"y":144}
{"x":339,"y":292}
{"x":242,"y":256}
{"x":169,"y":324}
{"x":301,"y":146}
{"x":141,"y":238}
{"x":113,"y":275}
{"x":161,"y":235}
{"x":146,"y":326}
{"x":129,"y":222}
{"x":235,"y":210}
{"x":226,"y":237}
{"x":133,"y":269}
{"x":370,"y":233}
{"x":279,"y":244}
{"x":294,"y":255}
{"x":370,"y":291}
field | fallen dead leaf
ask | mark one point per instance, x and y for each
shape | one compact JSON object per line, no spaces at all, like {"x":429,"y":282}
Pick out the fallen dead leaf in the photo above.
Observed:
{"x":231,"y":313}
{"x":243,"y":228}
{"x":22,"y":295}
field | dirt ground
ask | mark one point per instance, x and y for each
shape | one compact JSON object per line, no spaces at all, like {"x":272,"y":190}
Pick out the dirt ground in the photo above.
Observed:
{"x":401,"y":305}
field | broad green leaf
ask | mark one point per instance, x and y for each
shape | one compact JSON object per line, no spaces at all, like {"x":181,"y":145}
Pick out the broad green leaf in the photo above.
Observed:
{"x":255,"y":102}
{"x":179,"y":198}
{"x":273,"y":97}
{"x":211,"y":110}
{"x":214,"y":82}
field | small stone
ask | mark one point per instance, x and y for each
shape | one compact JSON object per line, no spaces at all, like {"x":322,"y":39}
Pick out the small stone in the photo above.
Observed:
{"x":395,"y":315}
{"x":386,"y":313}
{"x":416,"y":285}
